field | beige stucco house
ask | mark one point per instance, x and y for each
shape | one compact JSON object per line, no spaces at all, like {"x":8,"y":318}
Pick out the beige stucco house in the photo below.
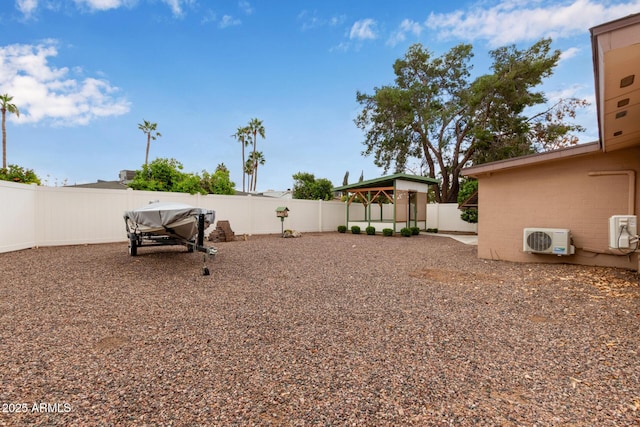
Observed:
{"x":573,"y":193}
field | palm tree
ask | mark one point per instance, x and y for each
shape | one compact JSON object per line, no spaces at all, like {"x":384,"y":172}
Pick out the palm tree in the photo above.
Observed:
{"x":248,"y":170}
{"x":6,"y":105}
{"x":256,"y":158}
{"x":149,"y":129}
{"x":256,"y":128}
{"x":243,"y":135}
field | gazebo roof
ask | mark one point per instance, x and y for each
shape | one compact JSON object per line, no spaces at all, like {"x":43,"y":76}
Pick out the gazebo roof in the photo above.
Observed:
{"x":387,"y":181}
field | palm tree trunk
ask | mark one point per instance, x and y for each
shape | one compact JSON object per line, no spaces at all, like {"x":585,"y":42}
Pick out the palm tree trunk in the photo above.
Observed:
{"x":4,"y":140}
{"x":243,"y":171}
{"x":255,"y":161}
{"x":146,"y":157}
{"x":255,"y":178}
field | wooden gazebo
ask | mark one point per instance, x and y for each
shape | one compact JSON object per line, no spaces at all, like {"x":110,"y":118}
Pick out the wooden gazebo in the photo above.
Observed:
{"x":393,"y":201}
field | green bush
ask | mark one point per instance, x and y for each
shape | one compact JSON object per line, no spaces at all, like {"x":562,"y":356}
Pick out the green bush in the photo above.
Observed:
{"x":466,"y":190}
{"x":342,"y":228}
{"x":432,"y":230}
{"x":470,"y":215}
{"x":15,"y":173}
{"x":370,"y":230}
{"x":355,"y":229}
{"x":415,"y":230}
{"x":387,"y":232}
{"x":406,"y":232}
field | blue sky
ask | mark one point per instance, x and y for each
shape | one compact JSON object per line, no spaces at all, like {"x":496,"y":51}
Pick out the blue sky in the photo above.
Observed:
{"x":84,"y":73}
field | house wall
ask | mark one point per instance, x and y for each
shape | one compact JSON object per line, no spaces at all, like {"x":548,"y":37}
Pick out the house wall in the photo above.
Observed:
{"x":578,"y":193}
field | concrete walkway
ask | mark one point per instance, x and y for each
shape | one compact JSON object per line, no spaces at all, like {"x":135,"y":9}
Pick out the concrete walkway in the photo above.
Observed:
{"x":468,"y":239}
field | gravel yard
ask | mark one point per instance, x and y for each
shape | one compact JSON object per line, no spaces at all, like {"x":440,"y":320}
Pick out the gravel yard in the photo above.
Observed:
{"x":325,"y":330}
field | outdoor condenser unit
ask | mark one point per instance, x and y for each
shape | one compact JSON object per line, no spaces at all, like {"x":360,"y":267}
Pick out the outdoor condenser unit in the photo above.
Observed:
{"x":555,"y":241}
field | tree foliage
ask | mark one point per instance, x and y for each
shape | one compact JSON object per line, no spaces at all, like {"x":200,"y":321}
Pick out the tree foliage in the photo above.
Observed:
{"x":151,"y":130}
{"x":256,"y":159}
{"x":219,"y":182}
{"x":15,"y":173}
{"x":306,"y":186}
{"x":467,"y":188}
{"x":243,"y":136}
{"x":167,"y":175}
{"x":435,"y":113}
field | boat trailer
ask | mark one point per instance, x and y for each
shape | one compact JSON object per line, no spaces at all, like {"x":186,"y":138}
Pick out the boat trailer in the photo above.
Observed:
{"x":143,"y":231}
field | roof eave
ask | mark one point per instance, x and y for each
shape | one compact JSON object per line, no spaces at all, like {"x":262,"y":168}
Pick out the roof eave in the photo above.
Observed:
{"x":532,"y":159}
{"x":398,"y":176}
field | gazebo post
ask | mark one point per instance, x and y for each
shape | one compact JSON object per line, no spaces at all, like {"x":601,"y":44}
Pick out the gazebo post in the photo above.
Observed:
{"x":369,"y":207}
{"x":348,"y":204}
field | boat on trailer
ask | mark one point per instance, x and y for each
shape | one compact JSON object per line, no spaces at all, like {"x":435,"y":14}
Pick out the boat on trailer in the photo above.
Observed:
{"x":168,"y":223}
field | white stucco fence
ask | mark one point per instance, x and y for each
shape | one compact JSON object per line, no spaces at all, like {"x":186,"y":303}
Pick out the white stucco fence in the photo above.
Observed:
{"x":32,"y":216}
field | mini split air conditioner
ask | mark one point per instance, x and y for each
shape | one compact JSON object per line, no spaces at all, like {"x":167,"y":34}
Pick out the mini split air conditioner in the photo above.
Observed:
{"x":555,"y":241}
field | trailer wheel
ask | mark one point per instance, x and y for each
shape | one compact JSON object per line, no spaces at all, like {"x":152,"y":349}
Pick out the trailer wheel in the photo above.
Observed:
{"x":133,"y":247}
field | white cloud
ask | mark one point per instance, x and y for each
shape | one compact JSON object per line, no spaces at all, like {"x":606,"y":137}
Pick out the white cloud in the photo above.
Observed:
{"x":45,"y":93}
{"x":406,"y":26}
{"x":342,"y":47}
{"x":509,"y":22}
{"x":228,"y":21}
{"x":569,"y":53}
{"x":209,"y":16}
{"x":101,"y":4}
{"x":26,"y":7}
{"x":363,"y":30}
{"x":177,"y":6}
{"x":336,"y":20}
{"x":246,"y":7}
{"x":310,"y":20}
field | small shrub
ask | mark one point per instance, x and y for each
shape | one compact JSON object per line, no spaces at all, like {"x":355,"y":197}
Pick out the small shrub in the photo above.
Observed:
{"x":406,"y":232}
{"x":355,"y":229}
{"x":387,"y":232}
{"x":370,"y":230}
{"x":432,"y":230}
{"x":415,"y":230}
{"x":470,"y":215}
{"x":342,"y":229}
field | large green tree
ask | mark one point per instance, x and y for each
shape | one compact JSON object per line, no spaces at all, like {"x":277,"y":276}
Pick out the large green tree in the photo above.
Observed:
{"x":167,"y":175}
{"x":306,"y":186}
{"x":435,"y":112}
{"x":219,"y":182}
{"x":149,"y":129}
{"x":164,"y":175}
{"x":6,"y":107}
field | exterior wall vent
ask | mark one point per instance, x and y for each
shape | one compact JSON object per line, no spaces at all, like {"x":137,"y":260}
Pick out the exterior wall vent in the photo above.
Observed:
{"x":627,"y":81}
{"x":555,"y":241}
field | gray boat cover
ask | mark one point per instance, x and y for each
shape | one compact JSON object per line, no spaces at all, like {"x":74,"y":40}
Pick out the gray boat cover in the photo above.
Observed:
{"x":164,"y":214}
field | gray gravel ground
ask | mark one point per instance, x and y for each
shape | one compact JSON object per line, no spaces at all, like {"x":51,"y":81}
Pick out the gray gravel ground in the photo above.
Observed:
{"x":325,"y":330}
